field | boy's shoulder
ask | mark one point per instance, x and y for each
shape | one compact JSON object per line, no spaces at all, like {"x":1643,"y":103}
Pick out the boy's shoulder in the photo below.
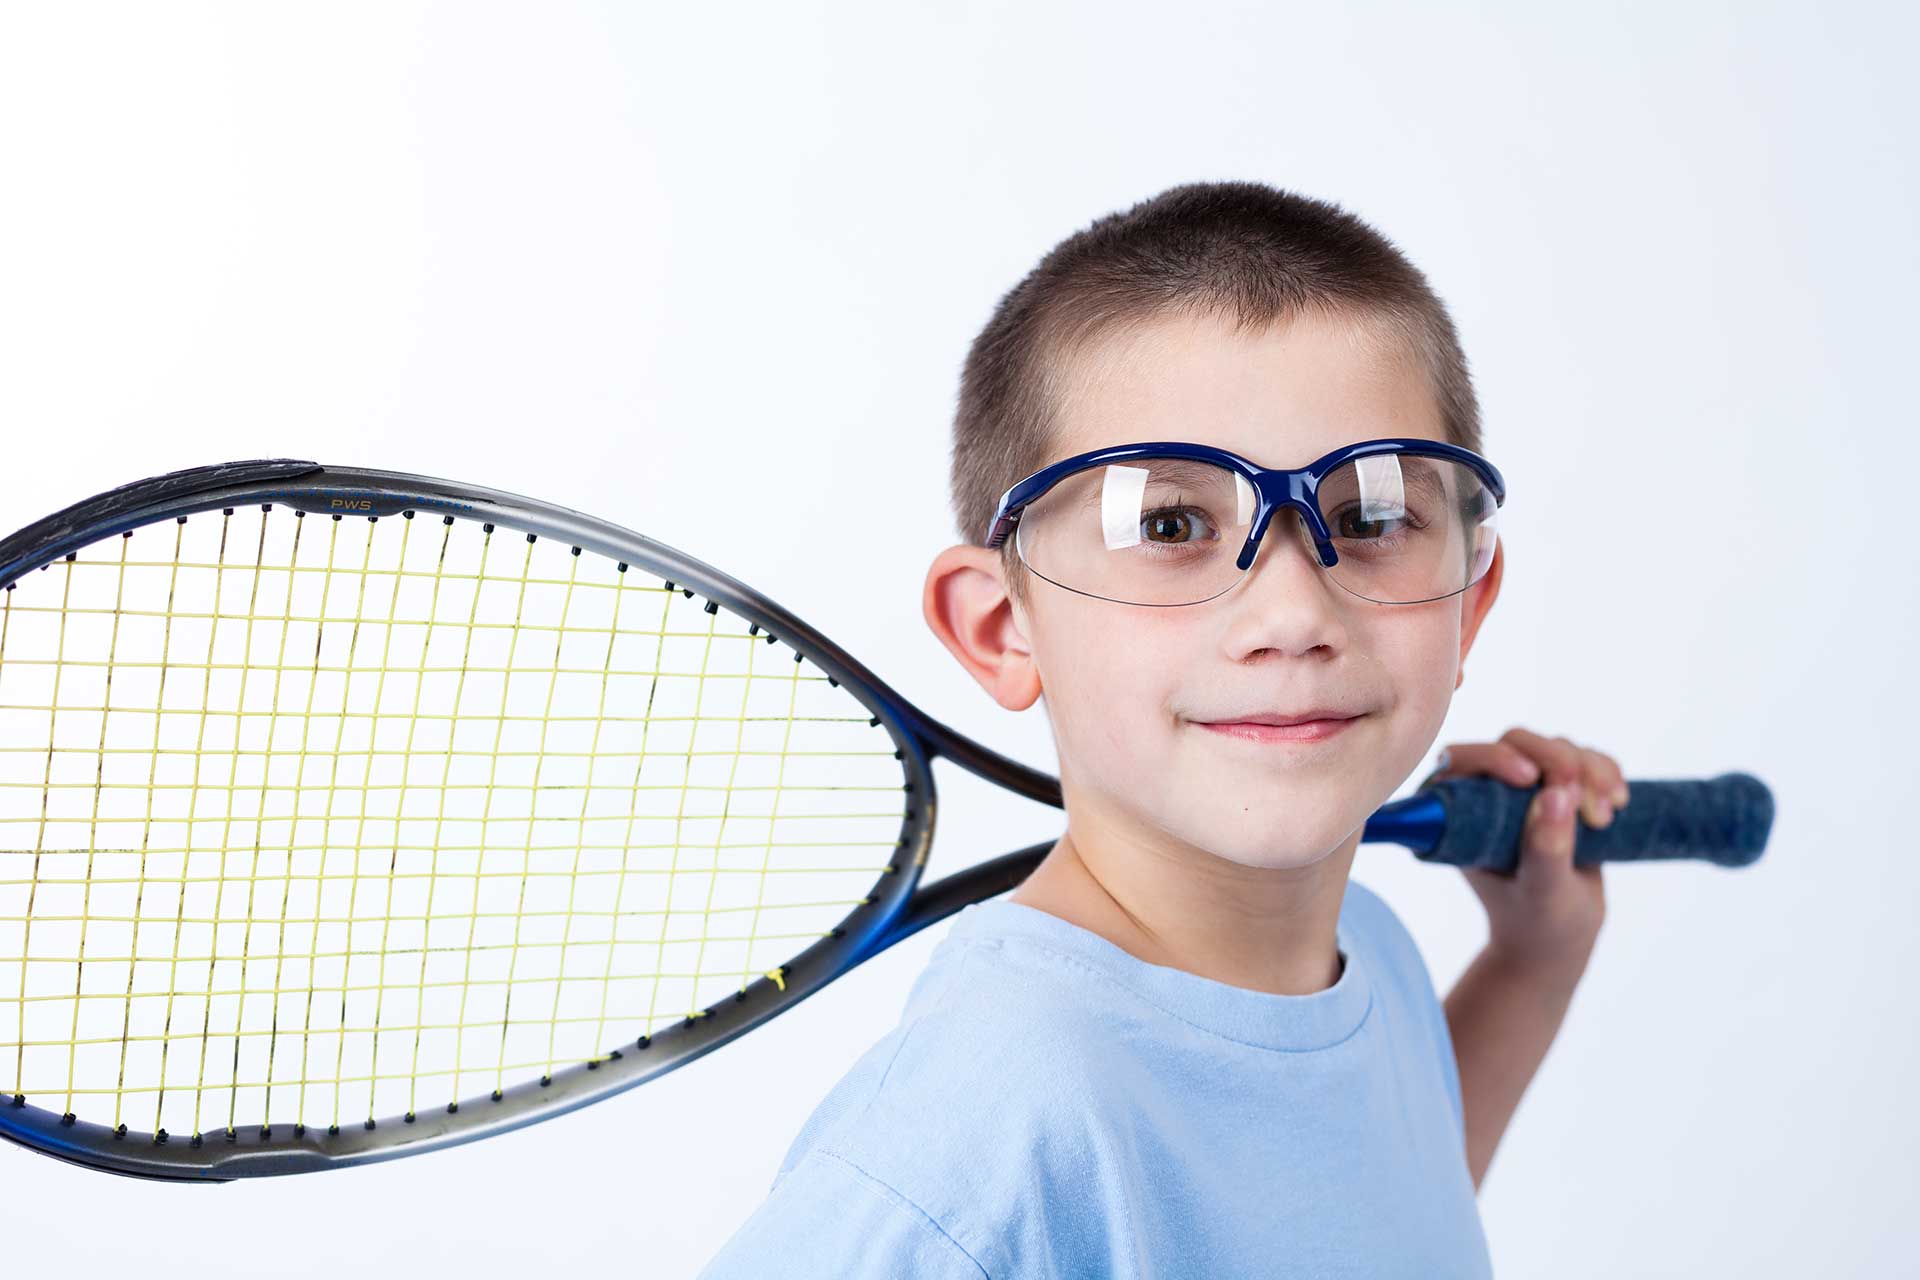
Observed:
{"x":976,"y":1119}
{"x":983,"y":1048}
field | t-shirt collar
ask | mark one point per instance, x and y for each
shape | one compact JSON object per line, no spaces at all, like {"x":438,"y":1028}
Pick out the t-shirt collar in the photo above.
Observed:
{"x":1293,"y":1024}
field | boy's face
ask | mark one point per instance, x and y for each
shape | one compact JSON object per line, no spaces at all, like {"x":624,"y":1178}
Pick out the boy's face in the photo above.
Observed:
{"x":1125,"y":685}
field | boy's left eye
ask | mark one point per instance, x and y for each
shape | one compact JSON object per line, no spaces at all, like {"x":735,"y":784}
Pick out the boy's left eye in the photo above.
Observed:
{"x":1167,"y":524}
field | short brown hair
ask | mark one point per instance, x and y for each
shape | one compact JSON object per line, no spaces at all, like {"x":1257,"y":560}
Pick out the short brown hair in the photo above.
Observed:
{"x":1244,"y":251}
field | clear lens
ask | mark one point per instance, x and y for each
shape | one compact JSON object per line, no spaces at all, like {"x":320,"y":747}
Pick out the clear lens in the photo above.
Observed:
{"x":1147,"y":531}
{"x":1167,"y":531}
{"x":1408,"y":527}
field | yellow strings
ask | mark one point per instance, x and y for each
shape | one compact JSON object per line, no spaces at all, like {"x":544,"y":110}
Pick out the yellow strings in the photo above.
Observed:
{"x":360,"y":828}
{"x":679,"y":825}
{"x":579,"y":849}
{"x":433,"y":879}
{"x":499,"y":725}
{"x":619,"y":894}
{"x":766,"y":858}
{"x":293,"y":828}
{"x":26,"y":946}
{"x":509,"y":984}
{"x":533,"y":812}
{"x":226,"y":844}
{"x":146,"y":833}
{"x":93,"y":830}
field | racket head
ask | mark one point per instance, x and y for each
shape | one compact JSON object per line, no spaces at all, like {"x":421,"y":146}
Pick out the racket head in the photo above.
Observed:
{"x":108,"y":525}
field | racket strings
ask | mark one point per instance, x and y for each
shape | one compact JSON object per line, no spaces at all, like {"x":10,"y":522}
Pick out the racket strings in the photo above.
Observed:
{"x":314,"y":821}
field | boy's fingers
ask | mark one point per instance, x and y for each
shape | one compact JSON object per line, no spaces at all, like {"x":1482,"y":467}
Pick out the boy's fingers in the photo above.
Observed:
{"x":1515,"y":765}
{"x":1550,"y":825}
{"x":1602,"y":785}
{"x":1616,"y":788}
{"x":1559,"y":758}
{"x":1604,"y":788}
{"x":1500,"y":760}
{"x":1522,"y":758}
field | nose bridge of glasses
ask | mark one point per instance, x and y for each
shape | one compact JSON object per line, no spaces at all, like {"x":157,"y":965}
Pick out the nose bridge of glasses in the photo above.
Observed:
{"x":1282,"y":492}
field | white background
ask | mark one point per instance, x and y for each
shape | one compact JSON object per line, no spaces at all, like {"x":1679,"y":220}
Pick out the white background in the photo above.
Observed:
{"x":710,"y":272}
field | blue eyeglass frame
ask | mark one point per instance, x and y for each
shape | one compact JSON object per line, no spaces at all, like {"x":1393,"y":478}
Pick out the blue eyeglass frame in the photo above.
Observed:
{"x":1277,"y":487}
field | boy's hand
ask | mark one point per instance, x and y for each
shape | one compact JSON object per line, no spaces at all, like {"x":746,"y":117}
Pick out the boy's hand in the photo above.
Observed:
{"x":1546,"y":914}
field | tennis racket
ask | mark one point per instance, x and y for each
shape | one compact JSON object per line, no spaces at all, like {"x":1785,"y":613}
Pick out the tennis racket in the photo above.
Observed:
{"x":348,"y":815}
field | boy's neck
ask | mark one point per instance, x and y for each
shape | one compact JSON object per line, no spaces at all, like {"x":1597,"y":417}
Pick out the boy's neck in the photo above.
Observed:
{"x":1264,"y":930}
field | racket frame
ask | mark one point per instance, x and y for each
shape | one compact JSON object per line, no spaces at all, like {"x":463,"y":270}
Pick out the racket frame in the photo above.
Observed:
{"x":897,"y":907}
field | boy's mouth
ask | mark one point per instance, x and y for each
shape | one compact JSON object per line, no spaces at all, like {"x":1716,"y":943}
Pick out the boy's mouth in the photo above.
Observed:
{"x":1304,"y":727}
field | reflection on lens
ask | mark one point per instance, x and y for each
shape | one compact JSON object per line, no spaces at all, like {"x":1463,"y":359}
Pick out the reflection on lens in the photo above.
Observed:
{"x":1165,"y":531}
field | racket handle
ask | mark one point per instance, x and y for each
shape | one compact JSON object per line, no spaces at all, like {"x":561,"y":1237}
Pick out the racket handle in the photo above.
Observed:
{"x":1723,"y":820}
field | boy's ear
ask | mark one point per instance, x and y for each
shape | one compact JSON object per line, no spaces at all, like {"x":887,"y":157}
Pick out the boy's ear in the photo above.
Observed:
{"x":965,"y":603}
{"x":1480,"y":597}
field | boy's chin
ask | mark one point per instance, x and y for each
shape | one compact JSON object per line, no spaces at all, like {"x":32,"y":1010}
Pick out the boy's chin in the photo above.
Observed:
{"x":1266,"y":839}
{"x":1287,"y":859}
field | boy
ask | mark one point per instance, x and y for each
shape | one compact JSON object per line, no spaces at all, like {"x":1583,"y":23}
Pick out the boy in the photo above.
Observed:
{"x":1187,"y":1045}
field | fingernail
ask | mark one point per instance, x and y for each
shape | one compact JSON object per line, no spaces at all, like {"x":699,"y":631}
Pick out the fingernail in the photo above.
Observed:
{"x":1620,"y":795}
{"x":1559,"y":802}
{"x":1605,"y":812}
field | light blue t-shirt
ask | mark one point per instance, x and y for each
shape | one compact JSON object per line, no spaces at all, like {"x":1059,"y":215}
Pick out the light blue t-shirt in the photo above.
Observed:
{"x":1052,"y":1106}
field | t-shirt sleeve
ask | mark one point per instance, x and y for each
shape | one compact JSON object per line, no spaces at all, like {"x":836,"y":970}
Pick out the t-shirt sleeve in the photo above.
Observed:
{"x":828,"y":1218}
